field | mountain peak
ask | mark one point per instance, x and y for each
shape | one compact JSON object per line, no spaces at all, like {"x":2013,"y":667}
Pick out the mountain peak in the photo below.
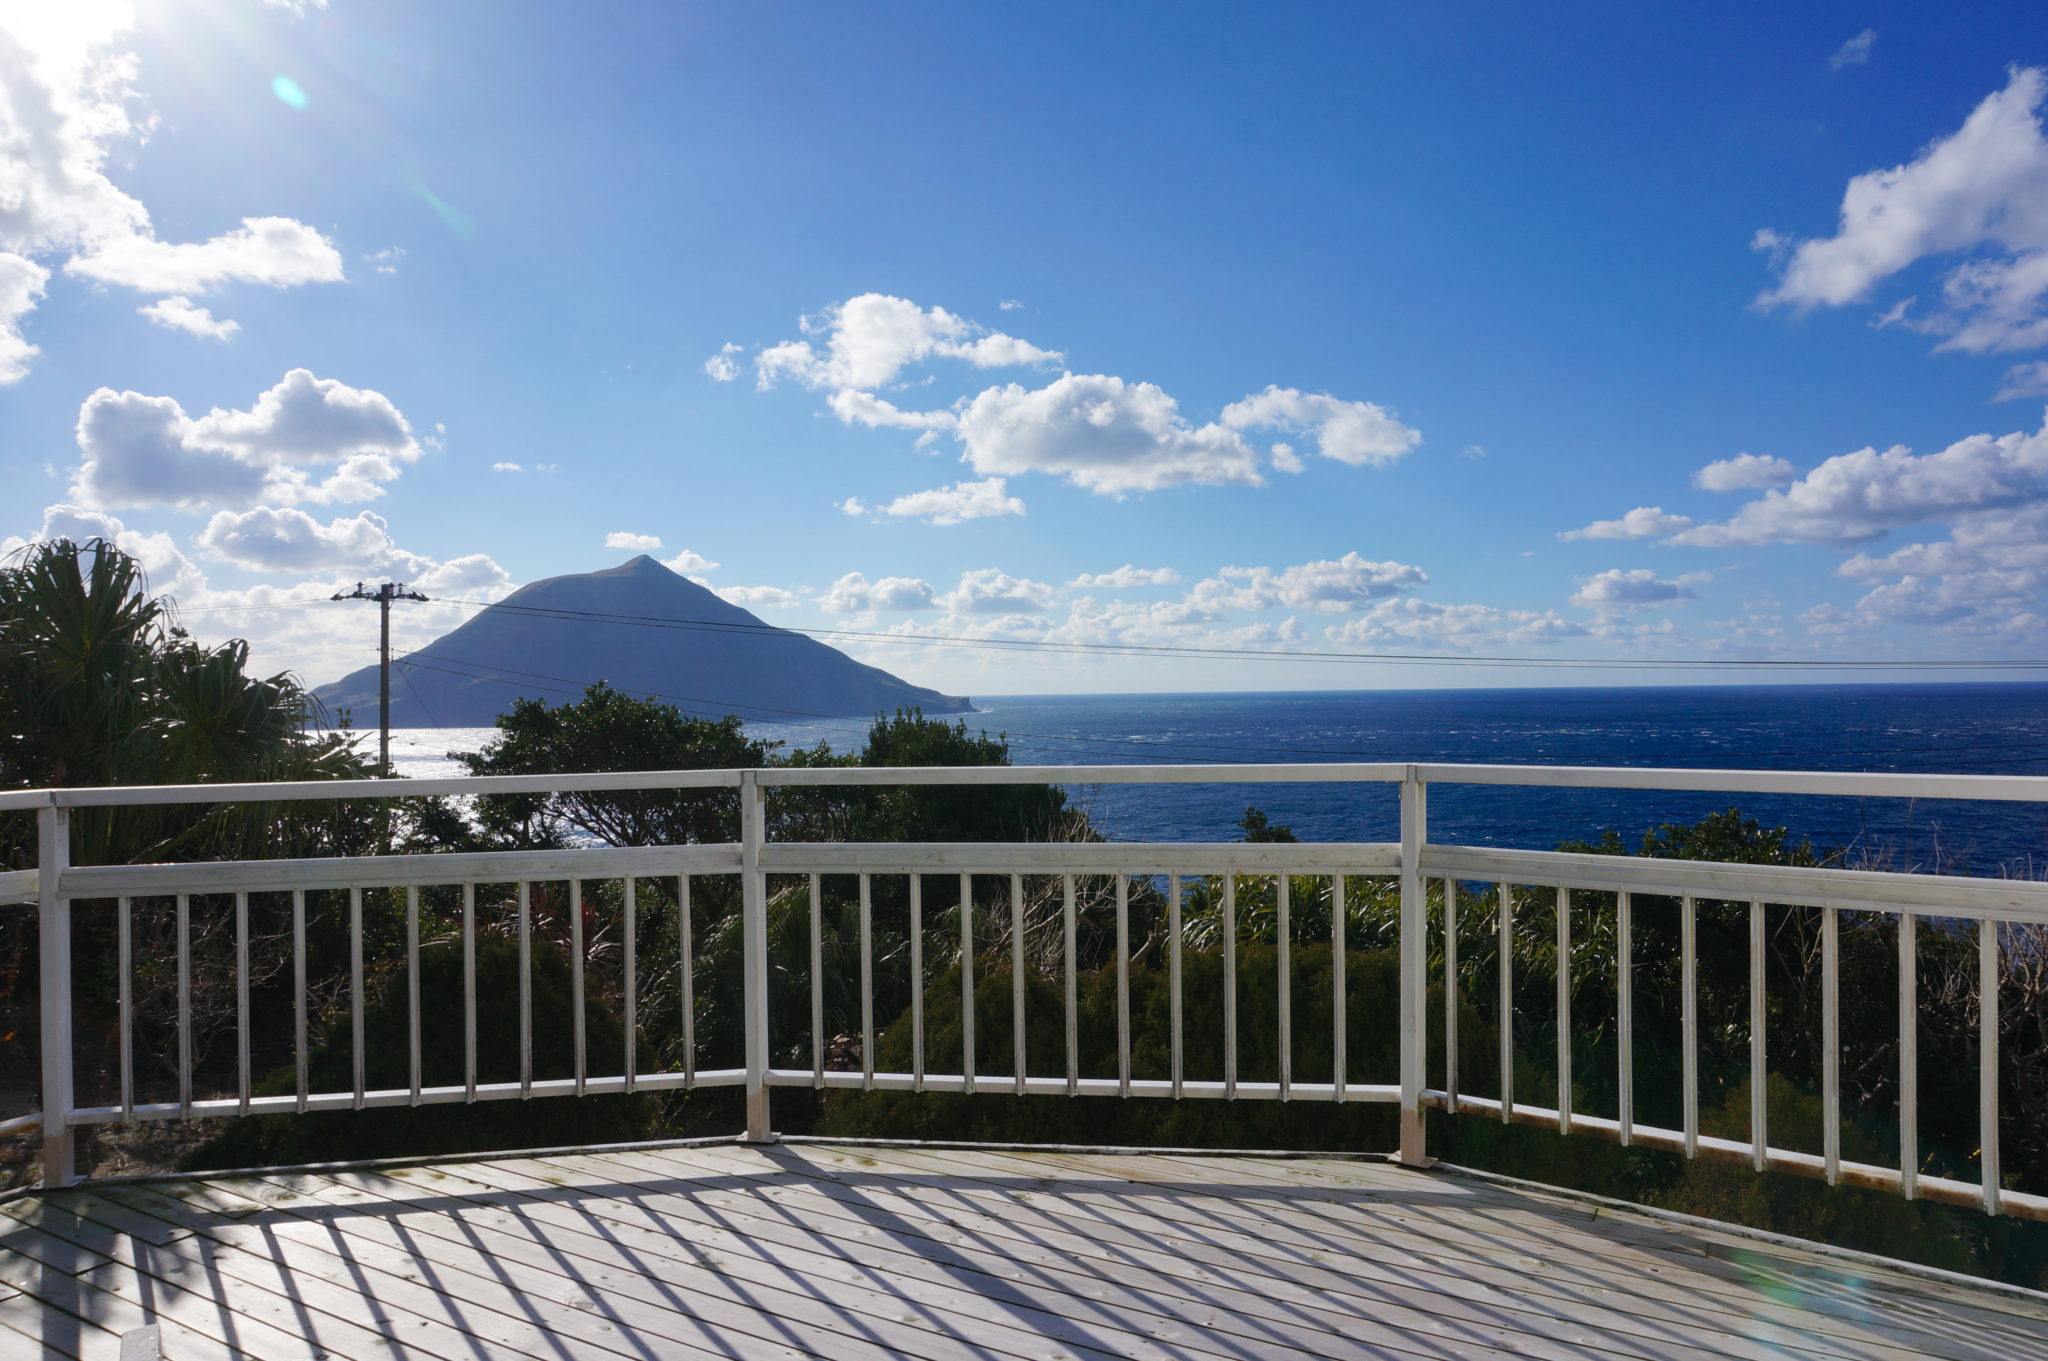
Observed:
{"x":646,"y":629}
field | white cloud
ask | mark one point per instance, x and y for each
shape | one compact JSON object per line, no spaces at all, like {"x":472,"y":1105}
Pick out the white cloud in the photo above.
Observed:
{"x":988,"y":591}
{"x":1644,"y":522}
{"x":1982,"y":193}
{"x":21,"y":287}
{"x":864,"y":408}
{"x":722,"y":367}
{"x":168,"y":571}
{"x":1633,"y":590}
{"x":1412,"y":622}
{"x":507,"y":468}
{"x":757,"y":597}
{"x":277,"y":251}
{"x":2024,"y":380}
{"x":142,"y":450}
{"x":473,"y":574}
{"x":946,"y":505}
{"x":638,"y":543}
{"x":284,"y":539}
{"x":181,"y":314}
{"x":1853,"y":498}
{"x":1125,"y":577}
{"x":386,"y":261}
{"x":1100,"y":433}
{"x":866,"y":342}
{"x":1854,"y":52}
{"x":1744,"y":471}
{"x":1011,"y":305}
{"x":68,"y":99}
{"x":688,"y":563}
{"x":1357,"y":433}
{"x":1326,"y":587}
{"x":855,"y":594}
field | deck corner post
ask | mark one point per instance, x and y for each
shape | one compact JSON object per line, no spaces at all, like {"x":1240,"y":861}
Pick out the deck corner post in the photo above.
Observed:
{"x":53,"y":857}
{"x":754,"y":951}
{"x":1414,"y":962}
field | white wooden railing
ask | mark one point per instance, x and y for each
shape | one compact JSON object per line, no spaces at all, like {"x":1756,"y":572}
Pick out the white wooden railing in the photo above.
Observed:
{"x":1919,"y":902}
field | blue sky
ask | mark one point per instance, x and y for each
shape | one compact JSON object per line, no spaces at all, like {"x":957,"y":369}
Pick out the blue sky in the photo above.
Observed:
{"x":1447,"y":330}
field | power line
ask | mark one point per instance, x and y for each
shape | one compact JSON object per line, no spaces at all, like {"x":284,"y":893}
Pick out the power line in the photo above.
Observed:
{"x":1192,"y":651}
{"x":568,"y":686}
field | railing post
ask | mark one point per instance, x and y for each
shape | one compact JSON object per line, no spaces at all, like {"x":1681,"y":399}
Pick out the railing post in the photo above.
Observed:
{"x":1414,"y":961}
{"x":754,"y":954}
{"x":53,"y":857}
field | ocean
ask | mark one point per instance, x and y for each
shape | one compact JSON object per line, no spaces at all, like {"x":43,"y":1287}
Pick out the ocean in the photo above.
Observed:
{"x":1981,"y":729}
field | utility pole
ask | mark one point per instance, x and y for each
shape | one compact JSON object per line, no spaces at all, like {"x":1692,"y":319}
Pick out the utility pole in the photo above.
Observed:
{"x":383,"y":595}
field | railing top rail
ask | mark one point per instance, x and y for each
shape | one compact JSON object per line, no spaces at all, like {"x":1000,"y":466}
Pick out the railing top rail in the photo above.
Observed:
{"x":1843,"y":783}
{"x":1849,"y":784}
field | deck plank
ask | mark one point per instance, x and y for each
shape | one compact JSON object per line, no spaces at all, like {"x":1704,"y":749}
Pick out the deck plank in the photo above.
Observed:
{"x":456,"y":1300}
{"x":982,"y":1315}
{"x":894,"y":1259}
{"x":1734,"y":1285}
{"x":1384,"y":1306}
{"x":875,"y":1252}
{"x":1243,"y":1267}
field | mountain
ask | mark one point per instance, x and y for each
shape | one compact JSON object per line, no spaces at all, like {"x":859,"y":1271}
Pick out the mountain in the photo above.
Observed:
{"x":645,"y":630}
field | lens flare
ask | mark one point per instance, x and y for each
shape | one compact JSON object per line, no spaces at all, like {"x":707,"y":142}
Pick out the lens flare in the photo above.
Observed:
{"x":289,"y":90}
{"x":459,"y":223}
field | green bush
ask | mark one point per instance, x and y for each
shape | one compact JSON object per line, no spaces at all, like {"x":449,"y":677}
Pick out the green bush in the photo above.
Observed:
{"x":394,"y":1131}
{"x":1371,"y":1033}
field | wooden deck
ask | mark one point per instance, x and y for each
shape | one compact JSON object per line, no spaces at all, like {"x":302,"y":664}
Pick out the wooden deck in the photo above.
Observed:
{"x":867,"y":1252}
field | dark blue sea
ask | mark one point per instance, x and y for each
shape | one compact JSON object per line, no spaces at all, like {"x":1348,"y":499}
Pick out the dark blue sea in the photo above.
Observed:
{"x":1979,"y":729}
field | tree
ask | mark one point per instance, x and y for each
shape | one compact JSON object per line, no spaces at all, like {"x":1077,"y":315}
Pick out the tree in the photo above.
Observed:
{"x":100,"y":686}
{"x":607,"y":730}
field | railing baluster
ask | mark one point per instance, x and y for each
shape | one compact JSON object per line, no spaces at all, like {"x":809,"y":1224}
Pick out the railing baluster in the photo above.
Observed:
{"x":1173,"y":946}
{"x":1284,"y":991}
{"x":1229,"y":985}
{"x":127,"y":1018}
{"x":525,"y":990}
{"x":185,"y":1007}
{"x":1340,"y":1011}
{"x":299,"y":1055}
{"x":1759,"y":1072}
{"x":576,"y":1020}
{"x":1689,"y":1023}
{"x":817,"y":984}
{"x":242,"y":999}
{"x":687,"y":948}
{"x":1505,"y":962}
{"x":1017,"y":980}
{"x":54,"y":1006}
{"x":754,"y":1036}
{"x":867,"y":984}
{"x":1988,"y":977}
{"x":1831,"y":1043}
{"x":412,"y":986}
{"x":355,"y":990}
{"x":916,"y":982}
{"x":469,"y":992}
{"x":1451,"y":995}
{"x":1068,"y":916}
{"x":1625,"y":1013}
{"x":1414,"y":964}
{"x":1123,"y":984}
{"x":1564,"y":1010}
{"x":1909,"y":1056}
{"x":632,"y":998}
{"x":967,"y":979}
